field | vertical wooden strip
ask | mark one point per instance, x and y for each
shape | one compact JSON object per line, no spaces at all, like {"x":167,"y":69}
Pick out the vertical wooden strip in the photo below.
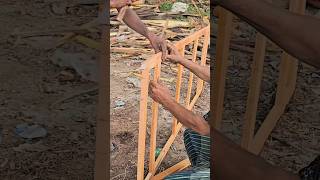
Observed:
{"x":204,"y":54}
{"x":289,"y":64}
{"x":194,"y":58}
{"x":142,"y":124}
{"x":178,"y":89}
{"x":254,"y":91}
{"x":223,"y":43}
{"x":154,"y":121}
{"x":102,"y":158}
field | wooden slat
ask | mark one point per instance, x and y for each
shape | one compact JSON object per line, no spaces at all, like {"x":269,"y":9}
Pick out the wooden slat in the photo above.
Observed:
{"x":178,"y":167}
{"x":178,"y":89}
{"x":102,"y":158}
{"x":254,"y":91}
{"x":154,"y":121}
{"x":190,"y":81}
{"x":142,"y":124}
{"x":204,"y":54}
{"x":223,"y":43}
{"x":167,"y":146}
{"x":289,"y":64}
{"x":265,"y":129}
{"x":189,"y":39}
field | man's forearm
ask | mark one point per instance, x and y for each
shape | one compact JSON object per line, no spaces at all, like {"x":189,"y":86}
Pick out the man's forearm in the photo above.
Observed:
{"x":187,"y":117}
{"x":203,"y":72}
{"x":297,"y":34}
{"x":135,"y":23}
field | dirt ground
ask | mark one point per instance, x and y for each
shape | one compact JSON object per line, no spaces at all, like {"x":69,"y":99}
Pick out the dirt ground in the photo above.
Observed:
{"x":36,"y":89}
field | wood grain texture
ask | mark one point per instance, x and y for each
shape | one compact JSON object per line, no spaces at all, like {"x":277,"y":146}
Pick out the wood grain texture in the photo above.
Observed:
{"x":254,"y":91}
{"x":222,"y":49}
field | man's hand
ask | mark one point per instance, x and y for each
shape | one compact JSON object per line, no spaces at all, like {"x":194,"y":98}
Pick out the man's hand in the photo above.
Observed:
{"x":119,"y":3}
{"x":174,"y":55}
{"x":158,"y":43}
{"x":159,"y":93}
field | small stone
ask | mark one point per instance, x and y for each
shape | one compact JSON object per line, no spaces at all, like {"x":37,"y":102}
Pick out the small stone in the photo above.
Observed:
{"x":119,"y":103}
{"x":30,"y":131}
{"x":66,"y":76}
{"x":112,"y":147}
{"x":179,"y":7}
{"x":133,"y":81}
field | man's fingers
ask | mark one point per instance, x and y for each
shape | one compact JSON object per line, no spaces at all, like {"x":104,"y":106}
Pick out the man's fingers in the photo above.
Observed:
{"x":164,"y":50}
{"x":153,"y":83}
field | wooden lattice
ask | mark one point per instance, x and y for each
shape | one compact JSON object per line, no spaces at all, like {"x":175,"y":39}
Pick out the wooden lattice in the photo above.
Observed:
{"x":154,"y":63}
{"x":251,"y":141}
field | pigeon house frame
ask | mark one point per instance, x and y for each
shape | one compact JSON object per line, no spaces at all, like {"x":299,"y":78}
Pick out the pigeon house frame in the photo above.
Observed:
{"x":154,"y":63}
{"x":252,"y":141}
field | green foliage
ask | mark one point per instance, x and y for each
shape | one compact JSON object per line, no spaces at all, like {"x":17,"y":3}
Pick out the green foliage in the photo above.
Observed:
{"x":193,"y":10}
{"x":166,"y":6}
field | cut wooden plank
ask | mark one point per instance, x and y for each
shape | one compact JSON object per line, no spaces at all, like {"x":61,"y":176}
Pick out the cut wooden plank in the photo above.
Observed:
{"x":142,"y":124}
{"x":178,"y":89}
{"x":178,"y":167}
{"x":167,"y":146}
{"x":265,"y":129}
{"x":223,"y":43}
{"x":154,"y":121}
{"x":254,"y":91}
{"x":102,"y":158}
{"x":190,"y":81}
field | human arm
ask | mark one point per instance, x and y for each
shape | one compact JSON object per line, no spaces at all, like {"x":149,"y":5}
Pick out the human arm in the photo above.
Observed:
{"x":297,"y":34}
{"x":161,"y":94}
{"x":119,"y":3}
{"x":203,"y":72}
{"x":134,"y":22}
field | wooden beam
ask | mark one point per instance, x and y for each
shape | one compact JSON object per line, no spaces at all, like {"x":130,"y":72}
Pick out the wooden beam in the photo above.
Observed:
{"x":190,"y":81}
{"x":102,"y":158}
{"x":254,"y":91}
{"x":223,"y":43}
{"x":178,"y":89}
{"x":142,"y":124}
{"x":289,"y":64}
{"x":265,"y":129}
{"x":178,"y":167}
{"x":154,"y":122}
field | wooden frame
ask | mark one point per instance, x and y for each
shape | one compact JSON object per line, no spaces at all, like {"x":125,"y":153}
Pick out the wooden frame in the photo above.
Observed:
{"x":155,"y":63}
{"x":285,"y":89}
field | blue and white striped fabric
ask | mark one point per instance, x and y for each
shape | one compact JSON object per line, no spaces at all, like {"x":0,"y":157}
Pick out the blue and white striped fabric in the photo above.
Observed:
{"x":198,"y":150}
